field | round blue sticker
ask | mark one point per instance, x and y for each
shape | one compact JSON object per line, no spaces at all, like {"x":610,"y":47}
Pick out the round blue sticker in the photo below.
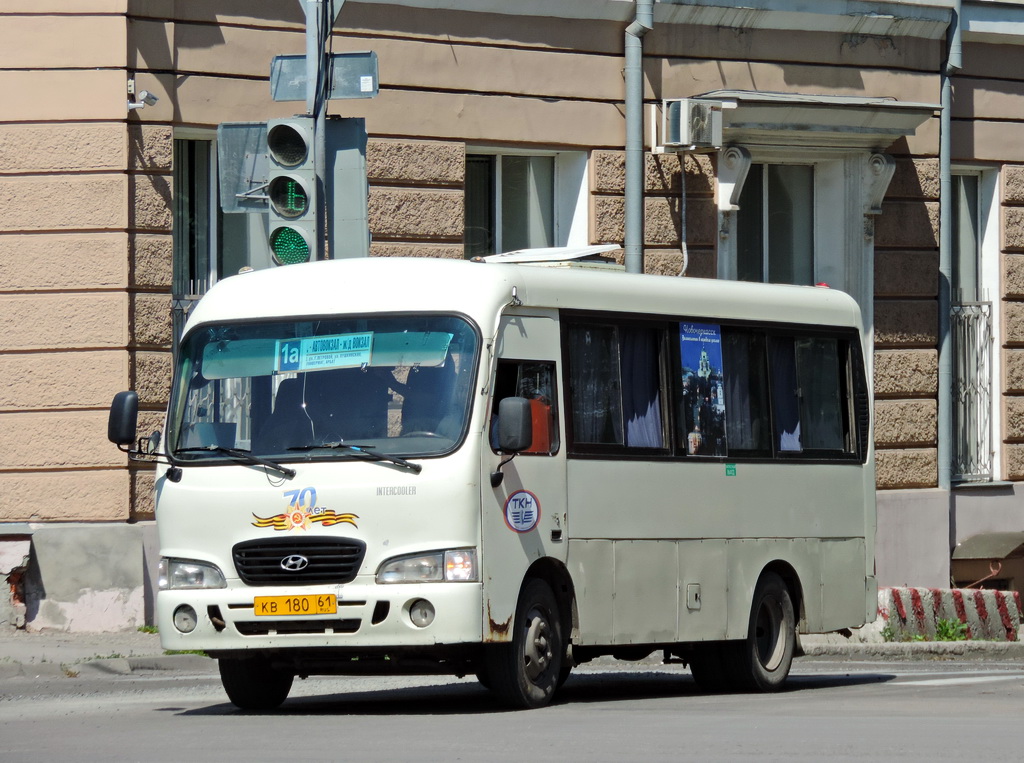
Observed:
{"x":522,"y":511}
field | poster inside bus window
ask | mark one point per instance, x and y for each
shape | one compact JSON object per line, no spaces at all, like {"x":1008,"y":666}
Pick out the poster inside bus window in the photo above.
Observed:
{"x":700,"y":346}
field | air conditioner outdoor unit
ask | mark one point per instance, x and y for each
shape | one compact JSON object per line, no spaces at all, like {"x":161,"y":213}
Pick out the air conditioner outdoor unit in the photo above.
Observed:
{"x":689,"y":123}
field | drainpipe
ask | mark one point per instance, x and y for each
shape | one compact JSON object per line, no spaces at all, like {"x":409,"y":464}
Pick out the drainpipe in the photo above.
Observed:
{"x":944,"y":431}
{"x":634,"y":73}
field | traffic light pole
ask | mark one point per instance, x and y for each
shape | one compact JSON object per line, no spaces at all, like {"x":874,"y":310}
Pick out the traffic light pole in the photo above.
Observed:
{"x":317,"y":32}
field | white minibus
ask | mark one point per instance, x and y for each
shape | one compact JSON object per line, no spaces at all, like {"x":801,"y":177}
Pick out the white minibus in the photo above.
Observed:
{"x":399,"y":465}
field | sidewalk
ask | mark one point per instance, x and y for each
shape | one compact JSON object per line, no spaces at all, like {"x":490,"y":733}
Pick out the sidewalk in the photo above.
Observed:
{"x":55,"y":654}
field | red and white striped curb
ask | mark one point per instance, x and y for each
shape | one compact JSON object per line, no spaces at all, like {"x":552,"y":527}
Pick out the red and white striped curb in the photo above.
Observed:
{"x":906,"y":614}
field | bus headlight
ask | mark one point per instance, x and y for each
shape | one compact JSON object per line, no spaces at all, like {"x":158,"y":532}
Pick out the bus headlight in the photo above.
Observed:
{"x":452,"y":566}
{"x":188,"y":573}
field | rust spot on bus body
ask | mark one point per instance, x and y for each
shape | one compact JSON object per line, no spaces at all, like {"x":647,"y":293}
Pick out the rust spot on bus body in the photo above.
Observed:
{"x":498,"y":631}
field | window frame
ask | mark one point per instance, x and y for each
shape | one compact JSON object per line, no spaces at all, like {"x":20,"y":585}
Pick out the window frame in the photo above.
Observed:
{"x":257,"y":250}
{"x":854,"y":392}
{"x":839,"y":197}
{"x":555,"y":434}
{"x":667,"y":357}
{"x":192,"y":284}
{"x":761,"y":190}
{"x":987,"y":277}
{"x":570,"y":216}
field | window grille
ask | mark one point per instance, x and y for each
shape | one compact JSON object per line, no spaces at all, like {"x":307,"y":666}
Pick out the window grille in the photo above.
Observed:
{"x":971,"y":325}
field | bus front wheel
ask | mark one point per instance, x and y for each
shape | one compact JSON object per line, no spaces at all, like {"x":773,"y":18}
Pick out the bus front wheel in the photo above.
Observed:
{"x":765,"y":657}
{"x":525,"y":673}
{"x":252,"y":683}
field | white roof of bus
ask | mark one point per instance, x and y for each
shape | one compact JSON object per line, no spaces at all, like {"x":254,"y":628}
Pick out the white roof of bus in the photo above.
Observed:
{"x":480,"y":289}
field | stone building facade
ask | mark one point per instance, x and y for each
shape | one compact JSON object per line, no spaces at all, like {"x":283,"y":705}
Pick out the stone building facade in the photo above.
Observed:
{"x":92,"y":232}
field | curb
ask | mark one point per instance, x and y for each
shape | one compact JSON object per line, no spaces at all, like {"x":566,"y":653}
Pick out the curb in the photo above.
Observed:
{"x":123,"y":666}
{"x":186,"y":663}
{"x":31,"y":670}
{"x":109,"y":666}
{"x":918,"y":650}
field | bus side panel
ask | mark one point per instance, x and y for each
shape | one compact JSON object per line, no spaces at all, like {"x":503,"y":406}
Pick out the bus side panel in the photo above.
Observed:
{"x":647,"y":592}
{"x":842,"y":603}
{"x":627,"y":589}
{"x":748,"y":558}
{"x":646,"y":599}
{"x":703,"y":585}
{"x":592,"y":566}
{"x":621,"y":499}
{"x":507,"y":552}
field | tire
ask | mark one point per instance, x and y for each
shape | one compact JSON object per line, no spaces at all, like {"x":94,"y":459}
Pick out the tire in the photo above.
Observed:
{"x":483,"y":678}
{"x":525,"y":673}
{"x":710,"y":668}
{"x":563,"y":675}
{"x":252,"y":683}
{"x":764,"y":659}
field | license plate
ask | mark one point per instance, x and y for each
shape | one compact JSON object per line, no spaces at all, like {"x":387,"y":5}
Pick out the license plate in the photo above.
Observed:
{"x":275,"y":606}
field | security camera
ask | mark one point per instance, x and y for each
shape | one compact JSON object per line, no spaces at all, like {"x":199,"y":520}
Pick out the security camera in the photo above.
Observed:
{"x":146,"y":98}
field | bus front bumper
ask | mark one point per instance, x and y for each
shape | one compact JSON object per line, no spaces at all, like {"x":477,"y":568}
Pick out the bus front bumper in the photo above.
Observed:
{"x":369,"y":617}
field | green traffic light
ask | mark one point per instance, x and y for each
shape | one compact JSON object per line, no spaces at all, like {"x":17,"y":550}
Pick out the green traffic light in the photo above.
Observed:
{"x":288,"y":246}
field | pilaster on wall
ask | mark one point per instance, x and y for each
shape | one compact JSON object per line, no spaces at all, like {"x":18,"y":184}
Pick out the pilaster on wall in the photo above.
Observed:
{"x":416,"y":198}
{"x":664,"y":207}
{"x":64,"y":316}
{"x":150,"y":255}
{"x":79,"y":193}
{"x":1012,"y":246}
{"x":906,"y":328}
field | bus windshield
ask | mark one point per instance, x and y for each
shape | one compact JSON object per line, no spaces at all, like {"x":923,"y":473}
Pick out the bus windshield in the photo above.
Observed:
{"x":310,"y":389}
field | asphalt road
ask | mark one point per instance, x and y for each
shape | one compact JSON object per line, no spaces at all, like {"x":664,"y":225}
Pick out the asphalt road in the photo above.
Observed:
{"x":915,"y":710}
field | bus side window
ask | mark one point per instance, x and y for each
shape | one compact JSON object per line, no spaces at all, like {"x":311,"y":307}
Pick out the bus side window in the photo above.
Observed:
{"x":536,"y":382}
{"x":747,"y":421}
{"x":785,"y":395}
{"x":595,"y":385}
{"x":808,"y":379}
{"x":616,"y":385}
{"x":821,"y":409}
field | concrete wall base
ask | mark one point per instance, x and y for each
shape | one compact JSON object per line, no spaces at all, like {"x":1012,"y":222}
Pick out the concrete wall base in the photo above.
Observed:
{"x":89,"y":577}
{"x":913,"y":541}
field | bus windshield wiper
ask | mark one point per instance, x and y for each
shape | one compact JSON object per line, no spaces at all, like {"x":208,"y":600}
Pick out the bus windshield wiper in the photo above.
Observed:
{"x":241,"y":455}
{"x":370,"y":453}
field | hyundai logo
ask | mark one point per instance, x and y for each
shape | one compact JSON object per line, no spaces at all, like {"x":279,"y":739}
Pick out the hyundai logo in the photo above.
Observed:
{"x":294,"y":563}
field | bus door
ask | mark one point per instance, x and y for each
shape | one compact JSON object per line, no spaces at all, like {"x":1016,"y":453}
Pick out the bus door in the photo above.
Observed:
{"x":524,"y":517}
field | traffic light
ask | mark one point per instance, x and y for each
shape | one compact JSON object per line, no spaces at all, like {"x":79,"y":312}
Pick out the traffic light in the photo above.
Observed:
{"x":291,"y":190}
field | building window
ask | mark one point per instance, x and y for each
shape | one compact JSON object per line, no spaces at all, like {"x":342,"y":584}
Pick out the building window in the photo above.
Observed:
{"x":775,"y":225}
{"x":972,"y":331}
{"x":519,"y":201}
{"x":194,"y":217}
{"x":208,"y":244}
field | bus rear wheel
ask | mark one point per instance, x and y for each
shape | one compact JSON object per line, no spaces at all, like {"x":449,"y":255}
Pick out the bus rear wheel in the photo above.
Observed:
{"x":252,"y":683}
{"x":709,"y":666}
{"x":525,"y":673}
{"x":766,"y":656}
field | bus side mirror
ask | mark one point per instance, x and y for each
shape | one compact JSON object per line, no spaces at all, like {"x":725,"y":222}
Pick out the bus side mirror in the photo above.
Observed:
{"x":124,"y":419}
{"x":515,"y":425}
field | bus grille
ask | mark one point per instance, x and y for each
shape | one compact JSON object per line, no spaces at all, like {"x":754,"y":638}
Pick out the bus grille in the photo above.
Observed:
{"x":313,"y":561}
{"x":302,"y":627}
